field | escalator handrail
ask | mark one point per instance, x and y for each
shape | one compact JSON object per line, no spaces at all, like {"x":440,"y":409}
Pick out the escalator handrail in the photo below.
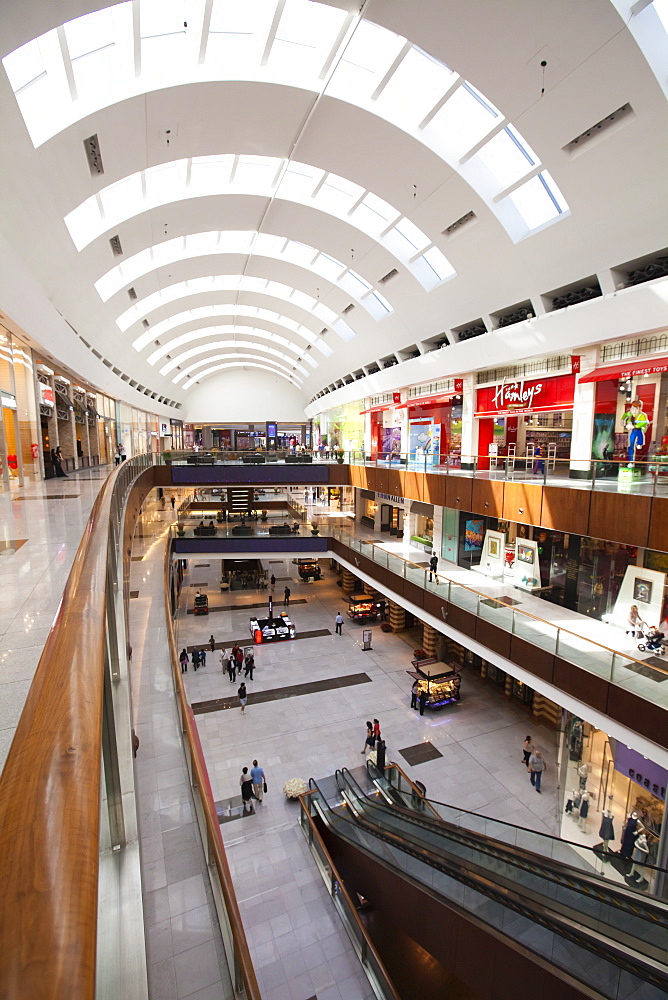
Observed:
{"x":501,"y":822}
{"x":641,"y":966}
{"x":624,"y":898}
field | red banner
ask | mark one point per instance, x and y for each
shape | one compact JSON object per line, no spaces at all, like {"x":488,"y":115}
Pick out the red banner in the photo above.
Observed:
{"x":526,"y":396}
{"x":575,"y":363}
{"x":459,"y":386}
{"x":396,"y":397}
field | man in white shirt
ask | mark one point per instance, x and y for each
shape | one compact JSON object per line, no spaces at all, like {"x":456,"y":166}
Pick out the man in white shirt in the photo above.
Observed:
{"x":258,"y":778}
{"x":339,"y":623}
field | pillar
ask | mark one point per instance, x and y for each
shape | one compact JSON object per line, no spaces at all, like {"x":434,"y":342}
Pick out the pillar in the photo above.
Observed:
{"x":397,"y":617}
{"x":546,"y":711}
{"x":508,"y":687}
{"x":348,"y":582}
{"x":430,"y":637}
{"x":584,"y":405}
{"x":469,"y":424}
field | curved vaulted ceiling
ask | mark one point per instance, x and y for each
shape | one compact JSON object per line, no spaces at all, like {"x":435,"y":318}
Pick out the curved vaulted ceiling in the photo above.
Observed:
{"x":339,"y":183}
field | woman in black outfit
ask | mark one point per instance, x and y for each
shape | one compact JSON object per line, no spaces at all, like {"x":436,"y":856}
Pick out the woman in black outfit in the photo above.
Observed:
{"x":246,"y":790}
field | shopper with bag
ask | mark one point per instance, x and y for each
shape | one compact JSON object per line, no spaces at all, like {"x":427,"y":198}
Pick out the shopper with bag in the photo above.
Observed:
{"x":259,"y":780}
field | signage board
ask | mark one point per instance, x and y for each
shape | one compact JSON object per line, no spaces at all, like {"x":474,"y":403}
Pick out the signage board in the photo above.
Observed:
{"x":366,"y":638}
{"x":386,"y":496}
{"x":526,"y":396}
{"x":46,"y":395}
{"x":8,"y":400}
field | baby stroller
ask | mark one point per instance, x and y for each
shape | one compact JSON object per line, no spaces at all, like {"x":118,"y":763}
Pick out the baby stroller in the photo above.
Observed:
{"x":652,"y":641}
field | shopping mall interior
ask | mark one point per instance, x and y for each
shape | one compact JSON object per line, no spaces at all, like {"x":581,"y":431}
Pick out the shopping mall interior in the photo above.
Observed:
{"x":339,"y":661}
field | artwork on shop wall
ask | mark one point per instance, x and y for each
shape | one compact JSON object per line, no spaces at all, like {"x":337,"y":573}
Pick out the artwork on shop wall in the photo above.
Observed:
{"x":642,"y":591}
{"x":474,"y":535}
{"x":525,"y":553}
{"x":391,"y":441}
{"x":424,"y":441}
{"x":603,"y":442}
{"x":493,"y":544}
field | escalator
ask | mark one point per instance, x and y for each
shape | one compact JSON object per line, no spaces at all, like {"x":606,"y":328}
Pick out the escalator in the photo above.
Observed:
{"x":455,"y":895}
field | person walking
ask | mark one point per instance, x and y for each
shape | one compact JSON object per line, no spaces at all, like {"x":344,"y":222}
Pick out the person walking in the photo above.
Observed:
{"x":239,"y":659}
{"x":224,"y":659}
{"x":124,"y":453}
{"x":212,"y":643}
{"x":414,"y":694}
{"x":202,"y":657}
{"x":232,"y":668}
{"x":536,"y":767}
{"x":172,"y":500}
{"x":527,"y":749}
{"x":635,"y":623}
{"x":195,"y":659}
{"x":250,"y":666}
{"x":184,"y":661}
{"x":339,"y":623}
{"x":258,"y":778}
{"x":422,"y":700}
{"x":57,"y":458}
{"x":246,"y":785}
{"x":369,"y":740}
{"x":539,"y":464}
{"x":376,"y":731}
{"x":117,"y":456}
{"x":243,"y":696}
{"x":433,"y":566}
{"x":272,"y":581}
{"x":286,"y":597}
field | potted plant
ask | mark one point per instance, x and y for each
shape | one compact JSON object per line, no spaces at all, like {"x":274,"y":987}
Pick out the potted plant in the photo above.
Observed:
{"x":263,"y":516}
{"x":167,"y":455}
{"x":339,"y":457}
{"x":385,"y":627}
{"x":419,"y":654}
{"x":293,"y":788}
{"x":180,"y":530}
{"x":315,"y":529}
{"x":219,"y":517}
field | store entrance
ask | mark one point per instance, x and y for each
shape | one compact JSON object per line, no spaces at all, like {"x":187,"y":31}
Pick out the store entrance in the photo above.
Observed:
{"x":49,"y":471}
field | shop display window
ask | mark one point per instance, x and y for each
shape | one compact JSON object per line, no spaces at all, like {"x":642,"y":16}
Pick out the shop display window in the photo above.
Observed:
{"x":424,"y":530}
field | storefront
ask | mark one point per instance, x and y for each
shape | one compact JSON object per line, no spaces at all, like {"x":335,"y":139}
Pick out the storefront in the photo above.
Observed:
{"x":342,"y":429}
{"x":19,"y":448}
{"x":519,"y":417}
{"x":630,"y":415}
{"x":385,"y":434}
{"x":613,"y":801}
{"x":435,"y":428}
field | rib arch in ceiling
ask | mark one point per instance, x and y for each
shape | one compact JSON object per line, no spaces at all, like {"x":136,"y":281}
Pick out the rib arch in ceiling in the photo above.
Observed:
{"x":214,"y":283}
{"x":229,"y":309}
{"x":241,"y":364}
{"x":294,"y":363}
{"x":234,"y":174}
{"x":108,"y":56}
{"x":203,"y":333}
{"x":201,"y":364}
{"x":221,"y":242}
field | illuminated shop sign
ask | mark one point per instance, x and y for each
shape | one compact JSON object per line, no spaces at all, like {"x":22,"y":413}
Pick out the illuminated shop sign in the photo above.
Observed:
{"x":526,"y":396}
{"x":46,"y":395}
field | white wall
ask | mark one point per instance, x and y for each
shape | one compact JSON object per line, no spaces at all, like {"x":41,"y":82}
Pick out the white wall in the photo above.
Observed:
{"x":244,"y":395}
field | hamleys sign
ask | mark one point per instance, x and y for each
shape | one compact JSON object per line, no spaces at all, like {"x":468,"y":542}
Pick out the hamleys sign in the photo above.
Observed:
{"x":526,"y":395}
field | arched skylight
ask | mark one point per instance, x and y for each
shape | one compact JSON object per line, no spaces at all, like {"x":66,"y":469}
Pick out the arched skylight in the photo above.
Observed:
{"x":241,"y":364}
{"x":214,"y":283}
{"x":111,"y":55}
{"x":200,"y":364}
{"x":235,"y":345}
{"x":229,"y":309}
{"x":267,"y":177}
{"x":217,"y":331}
{"x":245,"y":242}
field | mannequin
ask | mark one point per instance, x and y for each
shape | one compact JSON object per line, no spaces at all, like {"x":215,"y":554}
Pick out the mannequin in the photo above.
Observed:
{"x":640,"y":853}
{"x":584,"y":811}
{"x":583,"y":774}
{"x":569,"y":802}
{"x":607,"y":831}
{"x":632,"y":829}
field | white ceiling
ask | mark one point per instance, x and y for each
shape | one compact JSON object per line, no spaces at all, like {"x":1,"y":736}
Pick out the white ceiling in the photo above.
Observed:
{"x":614,"y":189}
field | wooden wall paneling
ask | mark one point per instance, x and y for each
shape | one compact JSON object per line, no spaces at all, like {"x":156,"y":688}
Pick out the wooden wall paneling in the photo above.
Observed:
{"x":615,"y":514}
{"x":413,"y":484}
{"x":493,"y":637}
{"x":534,"y":659}
{"x":434,"y":489}
{"x":459,"y":492}
{"x":487,"y":497}
{"x":410,"y":591}
{"x":565,"y":509}
{"x":394,"y":483}
{"x":341,"y":475}
{"x":357,"y":474}
{"x":381,"y":480}
{"x":436,"y":606}
{"x":641,"y":716}
{"x":586,"y":687}
{"x":463,"y":621}
{"x":658,"y":524}
{"x":522,"y":502}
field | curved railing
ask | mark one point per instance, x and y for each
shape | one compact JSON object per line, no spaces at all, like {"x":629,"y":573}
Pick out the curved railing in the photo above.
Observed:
{"x":65,"y":811}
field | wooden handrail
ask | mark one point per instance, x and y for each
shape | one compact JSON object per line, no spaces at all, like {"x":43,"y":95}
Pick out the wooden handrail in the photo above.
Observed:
{"x":50,"y":793}
{"x":201,"y":780}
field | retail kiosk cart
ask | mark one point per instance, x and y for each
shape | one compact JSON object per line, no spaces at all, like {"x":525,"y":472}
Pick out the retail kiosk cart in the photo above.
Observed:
{"x":271,"y":629}
{"x":362,"y":608}
{"x":201,"y":605}
{"x":442,"y":681}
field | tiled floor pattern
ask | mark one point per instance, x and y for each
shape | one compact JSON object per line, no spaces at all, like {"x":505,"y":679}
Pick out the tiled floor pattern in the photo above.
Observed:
{"x":274,"y":694}
{"x":297,"y":942}
{"x":37,"y":546}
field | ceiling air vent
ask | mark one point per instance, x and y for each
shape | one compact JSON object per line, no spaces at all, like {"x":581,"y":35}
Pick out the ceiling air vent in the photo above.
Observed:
{"x":115,"y":244}
{"x":145,"y":323}
{"x":388,"y":277}
{"x":310,"y":347}
{"x":516,"y":314}
{"x":657,"y":267}
{"x":116,"y":371}
{"x":469,"y":217}
{"x":618,"y":116}
{"x":125,"y":378}
{"x":93,"y":155}
{"x":323,"y":332}
{"x":84,"y":341}
{"x":132,"y":293}
{"x":475,"y":329}
{"x":96,"y":353}
{"x":575,"y":294}
{"x":349,"y":308}
{"x":107,"y":363}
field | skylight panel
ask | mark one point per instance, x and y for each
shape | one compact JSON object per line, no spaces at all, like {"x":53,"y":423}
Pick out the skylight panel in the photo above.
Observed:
{"x":169,"y":35}
{"x":166,"y":182}
{"x":328,"y":267}
{"x":299,"y":182}
{"x":538,"y":201}
{"x":24,"y":66}
{"x":507,"y":157}
{"x":324,"y":348}
{"x":120,"y":199}
{"x":338,"y":195}
{"x":366,"y":59}
{"x":256,"y":173}
{"x":238,"y":34}
{"x":373,"y":215}
{"x":432,"y":268}
{"x":661,"y":8}
{"x":376,"y":305}
{"x":234,"y":241}
{"x":464,"y":120}
{"x":341,"y":329}
{"x":89,"y":33}
{"x":84,"y":222}
{"x":417,"y":84}
{"x":354,"y":283}
{"x":210,"y":173}
{"x":405,"y":239}
{"x":305,"y":36}
{"x":299,"y":253}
